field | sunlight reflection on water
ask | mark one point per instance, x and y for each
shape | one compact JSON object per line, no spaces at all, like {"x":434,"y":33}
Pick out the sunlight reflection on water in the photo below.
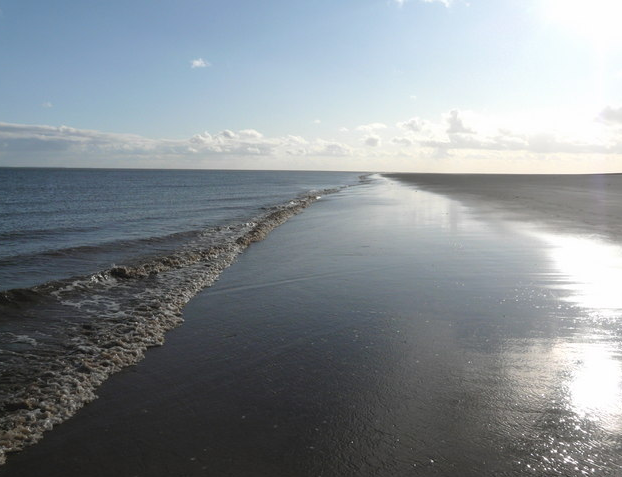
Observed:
{"x":553,"y":383}
{"x":595,"y":387}
{"x":590,"y":270}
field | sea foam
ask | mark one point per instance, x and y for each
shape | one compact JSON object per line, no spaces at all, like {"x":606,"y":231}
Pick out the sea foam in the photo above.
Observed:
{"x":98,"y":324}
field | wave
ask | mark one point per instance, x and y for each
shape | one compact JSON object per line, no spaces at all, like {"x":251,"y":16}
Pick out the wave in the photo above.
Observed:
{"x":86,"y":252}
{"x":18,"y":297}
{"x":64,"y":338}
{"x":41,"y":233}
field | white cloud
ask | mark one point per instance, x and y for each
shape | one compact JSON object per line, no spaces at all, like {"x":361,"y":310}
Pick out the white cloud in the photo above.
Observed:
{"x":250,"y":134}
{"x":401,"y":141}
{"x":611,"y":115}
{"x":199,"y":63}
{"x":46,"y":104}
{"x":412,"y":124}
{"x":476,"y":133}
{"x":372,"y":140}
{"x":544,"y":142}
{"x":371,"y":127}
{"x":227,"y":134}
{"x":26,"y":141}
{"x":455,"y":135}
{"x":456,"y":126}
{"x":317,"y":121}
{"x":328,"y":148}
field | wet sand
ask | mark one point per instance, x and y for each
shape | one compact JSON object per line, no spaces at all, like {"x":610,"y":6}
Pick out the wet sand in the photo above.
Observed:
{"x":385,"y":331}
{"x":583,"y":203}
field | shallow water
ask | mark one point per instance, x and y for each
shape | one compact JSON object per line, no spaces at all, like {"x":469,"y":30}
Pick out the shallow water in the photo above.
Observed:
{"x":175,"y":232}
{"x":426,"y":341}
{"x":395,"y":332}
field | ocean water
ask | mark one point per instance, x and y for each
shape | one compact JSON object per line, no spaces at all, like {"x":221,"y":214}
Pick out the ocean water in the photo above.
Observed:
{"x":96,"y":265}
{"x":57,"y":223}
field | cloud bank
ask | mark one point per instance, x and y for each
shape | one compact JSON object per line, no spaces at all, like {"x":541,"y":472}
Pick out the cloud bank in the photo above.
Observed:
{"x":41,"y":145}
{"x":447,"y":143}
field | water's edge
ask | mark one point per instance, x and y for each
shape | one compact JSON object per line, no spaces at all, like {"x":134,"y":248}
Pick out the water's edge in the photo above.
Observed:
{"x":47,"y":377}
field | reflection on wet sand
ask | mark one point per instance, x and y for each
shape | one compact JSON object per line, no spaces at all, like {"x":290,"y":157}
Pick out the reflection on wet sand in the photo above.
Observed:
{"x":526,"y":342}
{"x":395,"y":332}
{"x":557,"y":391}
{"x":595,"y":384}
{"x":590,"y":269}
{"x":580,"y":371}
{"x":590,"y":272}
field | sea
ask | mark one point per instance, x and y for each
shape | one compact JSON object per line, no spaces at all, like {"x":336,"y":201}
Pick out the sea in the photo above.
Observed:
{"x":97,"y":264}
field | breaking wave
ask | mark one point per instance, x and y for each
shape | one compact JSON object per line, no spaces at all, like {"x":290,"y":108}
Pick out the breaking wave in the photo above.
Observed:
{"x":64,"y":338}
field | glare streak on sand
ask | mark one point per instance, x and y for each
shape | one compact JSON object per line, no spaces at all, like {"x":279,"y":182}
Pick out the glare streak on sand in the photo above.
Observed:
{"x":595,"y":389}
{"x":568,"y":376}
{"x":590,"y":269}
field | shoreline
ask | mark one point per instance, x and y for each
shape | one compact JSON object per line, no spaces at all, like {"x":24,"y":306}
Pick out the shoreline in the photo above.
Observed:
{"x":385,"y":331}
{"x":54,"y":387}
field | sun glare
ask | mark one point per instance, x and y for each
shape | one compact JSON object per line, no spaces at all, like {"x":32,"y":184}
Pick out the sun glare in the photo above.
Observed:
{"x":596,"y":382}
{"x":595,"y":20}
{"x":590,"y":270}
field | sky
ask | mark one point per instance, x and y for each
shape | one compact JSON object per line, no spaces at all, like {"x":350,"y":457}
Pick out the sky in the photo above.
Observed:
{"x":519,"y":86}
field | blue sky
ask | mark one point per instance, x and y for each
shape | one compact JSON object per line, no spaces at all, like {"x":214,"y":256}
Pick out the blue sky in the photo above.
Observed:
{"x":483,"y":86}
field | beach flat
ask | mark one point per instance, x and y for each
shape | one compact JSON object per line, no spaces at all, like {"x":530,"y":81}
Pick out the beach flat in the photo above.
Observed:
{"x":387,"y":330}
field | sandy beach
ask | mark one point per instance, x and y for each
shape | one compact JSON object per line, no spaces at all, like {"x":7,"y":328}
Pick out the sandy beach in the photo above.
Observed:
{"x":417,"y":325}
{"x":588,"y":204}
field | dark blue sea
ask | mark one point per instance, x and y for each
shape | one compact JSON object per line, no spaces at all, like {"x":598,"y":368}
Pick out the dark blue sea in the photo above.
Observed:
{"x":96,"y":266}
{"x":59,"y":223}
